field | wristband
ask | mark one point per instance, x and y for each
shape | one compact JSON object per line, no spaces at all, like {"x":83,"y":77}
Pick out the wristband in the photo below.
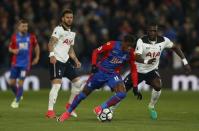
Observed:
{"x":146,"y":61}
{"x":51,"y":54}
{"x":184,"y":61}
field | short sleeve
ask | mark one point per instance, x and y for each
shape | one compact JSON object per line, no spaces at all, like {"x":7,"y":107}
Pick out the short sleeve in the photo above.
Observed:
{"x":56,"y":32}
{"x":139,"y":49}
{"x":12,"y":43}
{"x":168,"y":43}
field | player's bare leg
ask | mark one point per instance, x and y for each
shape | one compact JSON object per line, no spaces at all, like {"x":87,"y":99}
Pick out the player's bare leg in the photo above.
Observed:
{"x":56,"y":85}
{"x":75,"y":90}
{"x":78,"y":98}
{"x":156,"y":91}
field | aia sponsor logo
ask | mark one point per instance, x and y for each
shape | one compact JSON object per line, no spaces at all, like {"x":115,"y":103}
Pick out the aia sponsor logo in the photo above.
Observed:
{"x":153,"y":54}
{"x":68,"y":42}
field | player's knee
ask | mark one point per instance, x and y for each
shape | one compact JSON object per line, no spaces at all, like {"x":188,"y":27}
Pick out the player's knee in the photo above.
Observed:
{"x":20,"y":82}
{"x":12,"y":82}
{"x":121,"y":95}
{"x":157,"y":88}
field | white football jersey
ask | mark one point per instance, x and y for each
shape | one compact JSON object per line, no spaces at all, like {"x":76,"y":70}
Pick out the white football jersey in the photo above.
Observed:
{"x":149,"y":50}
{"x":65,"y":38}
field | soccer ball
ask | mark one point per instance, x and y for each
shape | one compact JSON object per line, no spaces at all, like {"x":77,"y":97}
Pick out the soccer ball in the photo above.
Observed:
{"x":105,"y":115}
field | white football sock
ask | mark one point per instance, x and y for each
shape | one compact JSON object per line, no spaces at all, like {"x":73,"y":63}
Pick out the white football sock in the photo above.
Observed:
{"x":53,"y":95}
{"x":76,"y":88}
{"x":154,"y":98}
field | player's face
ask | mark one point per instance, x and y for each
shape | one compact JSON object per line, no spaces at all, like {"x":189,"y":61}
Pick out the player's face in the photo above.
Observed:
{"x":126,"y":46}
{"x":67,"y":19}
{"x":152,"y":32}
{"x":23,"y":27}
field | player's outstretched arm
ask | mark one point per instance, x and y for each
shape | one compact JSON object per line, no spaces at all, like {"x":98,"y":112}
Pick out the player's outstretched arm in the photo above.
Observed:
{"x":74,"y":57}
{"x":179,"y":52}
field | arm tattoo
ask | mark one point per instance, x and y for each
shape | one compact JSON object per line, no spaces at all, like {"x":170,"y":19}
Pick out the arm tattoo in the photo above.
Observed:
{"x":52,"y":43}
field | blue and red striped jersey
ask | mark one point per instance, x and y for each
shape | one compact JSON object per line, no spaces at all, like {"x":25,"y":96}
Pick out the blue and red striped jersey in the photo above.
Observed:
{"x":25,"y":44}
{"x":114,"y":58}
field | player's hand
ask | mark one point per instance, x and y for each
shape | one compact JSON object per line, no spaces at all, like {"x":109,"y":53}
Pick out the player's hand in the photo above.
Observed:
{"x":53,"y":60}
{"x":137,"y":93}
{"x":15,"y":51}
{"x":78,"y":64}
{"x":35,"y":61}
{"x":187,"y":68}
{"x":151,"y":61}
{"x":94,"y":69}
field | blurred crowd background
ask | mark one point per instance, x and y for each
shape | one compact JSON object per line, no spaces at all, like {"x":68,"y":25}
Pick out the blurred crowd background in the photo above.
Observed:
{"x":98,"y":21}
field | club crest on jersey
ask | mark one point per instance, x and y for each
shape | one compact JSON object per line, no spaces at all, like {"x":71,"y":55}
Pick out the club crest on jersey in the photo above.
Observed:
{"x":153,"y":54}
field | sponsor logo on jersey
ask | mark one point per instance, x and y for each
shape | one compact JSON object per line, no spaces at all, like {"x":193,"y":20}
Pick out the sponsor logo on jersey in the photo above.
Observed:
{"x":68,"y":42}
{"x":23,"y":45}
{"x":153,"y":54}
{"x":116,"y":61}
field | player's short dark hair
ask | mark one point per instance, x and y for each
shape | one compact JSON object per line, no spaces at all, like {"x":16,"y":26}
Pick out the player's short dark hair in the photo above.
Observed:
{"x":129,"y":38}
{"x":152,"y":23}
{"x":22,"y":20}
{"x":66,"y":11}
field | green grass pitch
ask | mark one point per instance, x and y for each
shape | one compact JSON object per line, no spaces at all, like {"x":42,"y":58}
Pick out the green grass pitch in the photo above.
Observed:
{"x":177,"y":111}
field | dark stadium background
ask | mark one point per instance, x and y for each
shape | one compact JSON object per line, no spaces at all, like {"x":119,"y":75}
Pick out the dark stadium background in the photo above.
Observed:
{"x":98,"y":21}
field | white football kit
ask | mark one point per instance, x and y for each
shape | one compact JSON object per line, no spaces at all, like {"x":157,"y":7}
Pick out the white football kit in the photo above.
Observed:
{"x":65,"y":38}
{"x":151,"y":49}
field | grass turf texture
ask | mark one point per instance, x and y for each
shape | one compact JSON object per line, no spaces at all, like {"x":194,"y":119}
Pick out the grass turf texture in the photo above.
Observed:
{"x":177,"y":111}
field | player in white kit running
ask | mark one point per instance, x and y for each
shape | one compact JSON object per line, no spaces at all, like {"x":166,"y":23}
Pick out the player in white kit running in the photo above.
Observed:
{"x":60,"y":50}
{"x":147,"y":53}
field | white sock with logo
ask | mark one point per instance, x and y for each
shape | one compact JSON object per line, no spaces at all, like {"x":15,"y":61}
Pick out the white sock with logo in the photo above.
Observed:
{"x":154,"y":98}
{"x":53,"y":95}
